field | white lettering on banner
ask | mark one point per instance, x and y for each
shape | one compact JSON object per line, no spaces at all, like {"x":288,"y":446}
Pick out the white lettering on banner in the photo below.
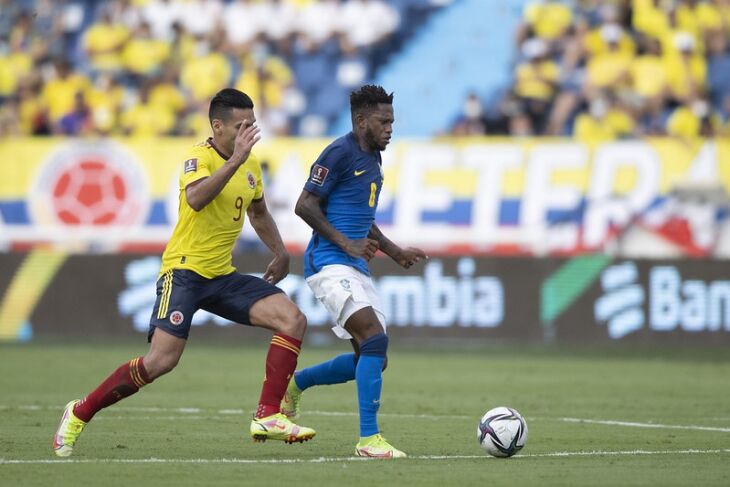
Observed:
{"x":490,"y":162}
{"x":403,"y":300}
{"x":431,"y":300}
{"x":509,"y":193}
{"x":541,"y":194}
{"x":605,"y":208}
{"x":664,"y":307}
{"x":620,"y":307}
{"x":692,"y":305}
{"x":413,"y":195}
{"x":441,"y":301}
{"x":719,"y":300}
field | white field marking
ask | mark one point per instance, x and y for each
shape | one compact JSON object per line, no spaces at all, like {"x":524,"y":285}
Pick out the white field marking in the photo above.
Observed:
{"x":238,"y":412}
{"x":108,"y":417}
{"x":562,"y":454}
{"x":646,"y":425}
{"x":196,"y":411}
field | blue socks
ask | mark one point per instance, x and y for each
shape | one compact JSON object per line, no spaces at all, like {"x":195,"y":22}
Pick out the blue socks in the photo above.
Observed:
{"x":336,"y":371}
{"x":367,"y":372}
{"x":369,"y":377}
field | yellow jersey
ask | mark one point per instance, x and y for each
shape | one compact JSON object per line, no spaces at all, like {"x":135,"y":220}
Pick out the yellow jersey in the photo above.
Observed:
{"x":203,"y":240}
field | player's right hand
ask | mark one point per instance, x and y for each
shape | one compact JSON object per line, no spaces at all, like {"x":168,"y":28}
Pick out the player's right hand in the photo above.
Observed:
{"x":363,"y":247}
{"x":248,"y":134}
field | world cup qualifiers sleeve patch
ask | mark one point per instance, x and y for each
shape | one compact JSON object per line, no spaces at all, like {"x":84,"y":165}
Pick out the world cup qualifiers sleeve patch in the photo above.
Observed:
{"x":191,"y":165}
{"x":319,"y":174}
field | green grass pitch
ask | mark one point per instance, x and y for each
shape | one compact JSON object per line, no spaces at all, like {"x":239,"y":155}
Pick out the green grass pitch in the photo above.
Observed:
{"x":596,"y":417}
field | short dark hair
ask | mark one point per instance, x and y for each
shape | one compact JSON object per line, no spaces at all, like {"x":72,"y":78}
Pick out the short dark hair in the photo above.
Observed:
{"x":368,"y":97}
{"x":225,"y":100}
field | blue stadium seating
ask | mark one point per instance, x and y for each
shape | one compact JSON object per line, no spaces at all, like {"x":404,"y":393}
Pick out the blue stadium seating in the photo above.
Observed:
{"x":431,"y":77}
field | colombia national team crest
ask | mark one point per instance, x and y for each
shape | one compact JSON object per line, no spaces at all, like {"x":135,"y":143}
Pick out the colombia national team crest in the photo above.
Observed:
{"x":176,"y":318}
{"x":90,"y":185}
{"x":251,"y":180}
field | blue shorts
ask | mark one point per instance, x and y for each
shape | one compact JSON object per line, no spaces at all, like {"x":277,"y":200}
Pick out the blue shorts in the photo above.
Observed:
{"x":181,"y":292}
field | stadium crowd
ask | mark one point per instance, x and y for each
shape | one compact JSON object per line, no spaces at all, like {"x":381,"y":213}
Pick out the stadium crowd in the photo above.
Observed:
{"x":149,"y":67}
{"x":602,"y":70}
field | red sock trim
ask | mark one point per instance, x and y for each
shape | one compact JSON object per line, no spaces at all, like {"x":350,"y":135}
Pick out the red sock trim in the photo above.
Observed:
{"x":121,"y":383}
{"x":287,"y":342}
{"x":281,"y":361}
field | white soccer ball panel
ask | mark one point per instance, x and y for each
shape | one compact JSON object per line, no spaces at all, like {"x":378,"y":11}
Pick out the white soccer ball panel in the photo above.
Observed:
{"x":502,"y":432}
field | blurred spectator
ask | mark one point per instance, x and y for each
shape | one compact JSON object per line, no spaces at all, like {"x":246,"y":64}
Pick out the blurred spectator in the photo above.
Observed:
{"x":15,"y":65}
{"x":196,"y":122}
{"x":105,"y":100}
{"x":693,"y":119}
{"x":285,"y":14}
{"x":78,"y":121}
{"x":471,"y":121}
{"x":9,"y":12}
{"x":265,"y":78}
{"x":166,"y":93}
{"x":33,"y":114}
{"x":243,"y":21}
{"x":103,"y":43}
{"x":610,"y":68}
{"x":144,"y":119}
{"x":161,"y":15}
{"x":597,"y":41}
{"x":686,"y":69}
{"x":183,"y":46}
{"x":207,"y":71}
{"x":650,"y":18}
{"x":536,"y":81}
{"x":143,"y":55}
{"x":201,"y":17}
{"x":546,"y":19}
{"x":603,"y":122}
{"x":59,"y":93}
{"x":718,"y":68}
{"x":365,"y":23}
{"x":319,"y":21}
{"x":126,"y":13}
{"x":352,"y":68}
{"x":9,"y":117}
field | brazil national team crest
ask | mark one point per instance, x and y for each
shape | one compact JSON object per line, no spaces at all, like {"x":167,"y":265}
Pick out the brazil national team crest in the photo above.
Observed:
{"x":251,"y":180}
{"x":176,"y":318}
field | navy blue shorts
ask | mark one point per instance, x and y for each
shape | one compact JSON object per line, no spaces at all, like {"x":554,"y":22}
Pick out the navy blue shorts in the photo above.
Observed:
{"x":181,"y":292}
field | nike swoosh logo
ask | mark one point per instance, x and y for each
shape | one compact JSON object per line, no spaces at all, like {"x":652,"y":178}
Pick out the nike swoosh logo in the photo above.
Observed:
{"x":357,"y":173}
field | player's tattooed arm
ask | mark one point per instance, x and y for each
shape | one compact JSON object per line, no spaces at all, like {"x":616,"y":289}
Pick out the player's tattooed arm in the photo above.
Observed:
{"x":404,"y":257}
{"x":308,"y":209}
{"x":265,"y":226}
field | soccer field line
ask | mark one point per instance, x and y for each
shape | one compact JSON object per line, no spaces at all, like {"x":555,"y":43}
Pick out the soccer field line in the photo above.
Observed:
{"x":566,"y":420}
{"x":190,"y":413}
{"x":223,"y":461}
{"x":646,"y":425}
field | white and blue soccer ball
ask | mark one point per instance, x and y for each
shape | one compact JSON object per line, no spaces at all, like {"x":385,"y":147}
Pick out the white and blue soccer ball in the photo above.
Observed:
{"x":502,"y":432}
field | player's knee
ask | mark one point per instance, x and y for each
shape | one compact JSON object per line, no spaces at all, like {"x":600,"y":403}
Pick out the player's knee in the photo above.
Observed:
{"x":294,"y":324}
{"x":375,"y":345}
{"x":158,"y":365}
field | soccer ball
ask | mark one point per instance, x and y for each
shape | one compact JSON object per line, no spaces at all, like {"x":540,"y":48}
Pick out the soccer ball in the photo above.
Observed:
{"x":502,"y":432}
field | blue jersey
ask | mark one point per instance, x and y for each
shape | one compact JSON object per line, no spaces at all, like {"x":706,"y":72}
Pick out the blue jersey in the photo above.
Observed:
{"x":348,"y":181}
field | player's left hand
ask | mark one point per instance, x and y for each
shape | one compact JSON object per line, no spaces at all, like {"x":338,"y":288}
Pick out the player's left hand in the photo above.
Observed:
{"x":278,"y":269}
{"x":409,"y":256}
